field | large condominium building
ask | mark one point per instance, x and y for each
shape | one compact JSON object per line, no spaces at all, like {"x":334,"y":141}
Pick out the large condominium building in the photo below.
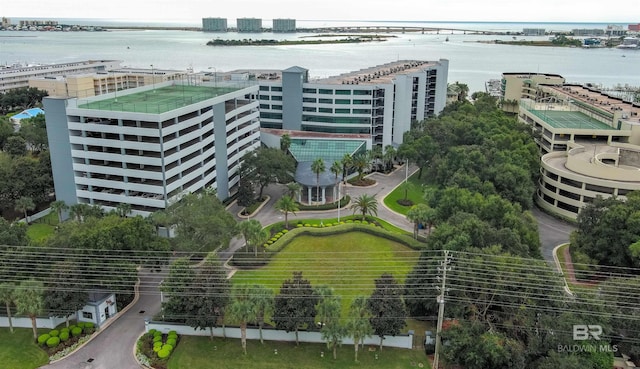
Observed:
{"x":148,"y":146}
{"x":284,"y":25}
{"x":379,"y":102}
{"x":249,"y":24}
{"x":214,"y":24}
{"x":590,"y":146}
{"x":18,"y":76}
{"x":94,"y":84}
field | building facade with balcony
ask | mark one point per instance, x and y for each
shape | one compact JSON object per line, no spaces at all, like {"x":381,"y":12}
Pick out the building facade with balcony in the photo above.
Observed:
{"x":379,"y":102}
{"x":516,"y":86}
{"x":148,"y":146}
{"x":284,"y":25}
{"x":590,"y":146}
{"x":214,"y":24}
{"x":249,"y":24}
{"x":18,"y":76}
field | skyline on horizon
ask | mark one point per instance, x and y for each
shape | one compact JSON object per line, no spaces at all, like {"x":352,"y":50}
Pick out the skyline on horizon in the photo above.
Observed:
{"x":544,"y":11}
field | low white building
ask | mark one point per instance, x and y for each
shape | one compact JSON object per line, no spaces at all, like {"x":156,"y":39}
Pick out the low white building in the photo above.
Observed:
{"x":100,"y":307}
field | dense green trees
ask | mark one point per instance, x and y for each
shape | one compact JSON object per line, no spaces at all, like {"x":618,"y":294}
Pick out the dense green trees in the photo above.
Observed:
{"x":20,"y":98}
{"x":208,"y":296}
{"x":388,"y":312}
{"x":24,"y":176}
{"x":202,"y":223}
{"x":264,"y":166}
{"x":606,"y":230}
{"x":295,"y":305}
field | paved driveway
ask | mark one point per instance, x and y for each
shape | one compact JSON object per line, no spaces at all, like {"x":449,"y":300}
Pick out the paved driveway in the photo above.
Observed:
{"x":553,"y":232}
{"x":113,"y":348}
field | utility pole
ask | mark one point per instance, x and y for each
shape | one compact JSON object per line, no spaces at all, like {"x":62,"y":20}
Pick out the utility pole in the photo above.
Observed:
{"x":443,"y":290}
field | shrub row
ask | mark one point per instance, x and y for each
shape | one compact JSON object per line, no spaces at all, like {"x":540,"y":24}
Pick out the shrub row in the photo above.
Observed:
{"x":60,"y":337}
{"x":157,"y":347}
{"x":332,"y":206}
{"x":246,"y":258}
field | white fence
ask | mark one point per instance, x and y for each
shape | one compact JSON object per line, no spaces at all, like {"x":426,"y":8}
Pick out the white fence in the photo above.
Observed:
{"x":36,"y":216}
{"x":22,"y":322}
{"x":269,"y":334}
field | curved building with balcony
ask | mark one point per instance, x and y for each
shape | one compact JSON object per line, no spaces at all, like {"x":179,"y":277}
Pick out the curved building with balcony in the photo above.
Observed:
{"x":148,"y":146}
{"x":590,"y":146}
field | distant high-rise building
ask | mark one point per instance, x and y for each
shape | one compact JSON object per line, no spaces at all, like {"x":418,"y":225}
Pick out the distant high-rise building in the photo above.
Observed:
{"x":214,"y":24}
{"x":284,"y":25}
{"x":588,"y":32}
{"x":533,"y":31}
{"x":249,"y":24}
{"x":6,"y":22}
{"x":634,"y":27}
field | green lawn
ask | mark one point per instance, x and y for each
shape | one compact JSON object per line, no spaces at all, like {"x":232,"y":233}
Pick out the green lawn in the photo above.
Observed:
{"x":200,"y":352}
{"x":42,"y":228}
{"x":348,"y":262}
{"x":18,"y":351}
{"x":416,"y":195}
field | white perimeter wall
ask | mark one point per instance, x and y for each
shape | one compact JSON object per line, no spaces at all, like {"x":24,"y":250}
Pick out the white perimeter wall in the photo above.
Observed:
{"x":22,"y":322}
{"x":400,"y":341}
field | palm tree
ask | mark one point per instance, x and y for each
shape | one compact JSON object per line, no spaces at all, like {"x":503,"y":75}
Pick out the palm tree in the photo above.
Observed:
{"x":293,"y":189}
{"x":376,"y":155}
{"x":28,"y":300}
{"x":59,"y":206}
{"x":328,"y":309}
{"x":287,"y":205}
{"x":79,"y":211}
{"x":347,"y":162}
{"x":416,"y":215}
{"x":285,"y":142}
{"x":365,"y":204}
{"x":406,"y":186}
{"x":123,"y":209}
{"x":362,"y":163}
{"x":242,"y":310}
{"x":389,"y":156}
{"x":6,"y":296}
{"x":249,"y":229}
{"x":336,"y":169}
{"x":318,"y":167}
{"x":259,"y":238}
{"x":358,"y":325}
{"x":263,"y":299}
{"x":23,"y":204}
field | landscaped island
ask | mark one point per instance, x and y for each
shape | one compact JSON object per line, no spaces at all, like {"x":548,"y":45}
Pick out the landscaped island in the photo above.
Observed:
{"x":326,"y":39}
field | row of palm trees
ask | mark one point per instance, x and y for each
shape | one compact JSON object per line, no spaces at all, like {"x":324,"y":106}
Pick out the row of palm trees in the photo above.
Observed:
{"x":255,"y":303}
{"x":79,"y":212}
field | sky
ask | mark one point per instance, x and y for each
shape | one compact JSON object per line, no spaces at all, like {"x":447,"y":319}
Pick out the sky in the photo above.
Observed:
{"x":580,"y":11}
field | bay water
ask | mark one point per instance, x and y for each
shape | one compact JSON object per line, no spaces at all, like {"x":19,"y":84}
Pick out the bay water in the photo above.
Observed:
{"x":473,"y":59}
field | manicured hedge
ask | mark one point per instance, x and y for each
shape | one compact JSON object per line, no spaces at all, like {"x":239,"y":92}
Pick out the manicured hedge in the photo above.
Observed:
{"x":53,"y":341}
{"x":75,"y":332}
{"x":64,"y":336}
{"x":54,"y":333}
{"x":42,"y":339}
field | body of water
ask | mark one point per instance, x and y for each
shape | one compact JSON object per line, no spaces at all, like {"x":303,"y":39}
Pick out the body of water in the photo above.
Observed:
{"x":471,"y":62}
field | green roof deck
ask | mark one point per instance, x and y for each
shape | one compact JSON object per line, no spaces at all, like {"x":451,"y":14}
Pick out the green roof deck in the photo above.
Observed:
{"x":328,"y":150}
{"x":570,"y":120}
{"x":159,"y":100}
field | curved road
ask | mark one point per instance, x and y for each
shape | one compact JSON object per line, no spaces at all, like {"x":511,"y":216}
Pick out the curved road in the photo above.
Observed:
{"x":114,"y":347}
